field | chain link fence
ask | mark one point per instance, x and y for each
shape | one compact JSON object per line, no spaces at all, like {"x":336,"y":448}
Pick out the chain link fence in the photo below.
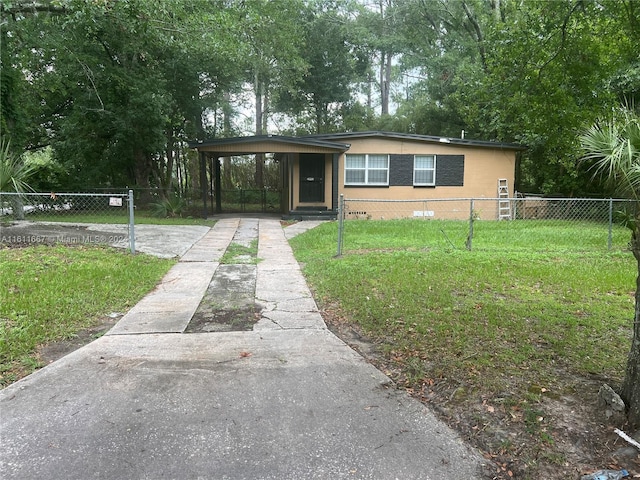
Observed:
{"x":528,"y":223}
{"x":250,"y":200}
{"x":70,"y":218}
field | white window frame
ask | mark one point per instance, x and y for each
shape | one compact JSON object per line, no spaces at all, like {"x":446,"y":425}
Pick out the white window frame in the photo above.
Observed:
{"x":423,"y":184}
{"x":367,"y":169}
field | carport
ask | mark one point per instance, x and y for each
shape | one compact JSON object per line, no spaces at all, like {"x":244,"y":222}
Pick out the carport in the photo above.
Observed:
{"x":308,"y":169}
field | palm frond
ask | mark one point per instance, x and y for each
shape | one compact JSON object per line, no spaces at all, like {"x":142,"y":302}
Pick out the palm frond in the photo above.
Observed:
{"x":14,"y":173}
{"x":613,"y":152}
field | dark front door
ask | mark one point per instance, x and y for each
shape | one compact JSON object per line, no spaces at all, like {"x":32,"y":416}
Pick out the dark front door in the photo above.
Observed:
{"x":311,"y":177}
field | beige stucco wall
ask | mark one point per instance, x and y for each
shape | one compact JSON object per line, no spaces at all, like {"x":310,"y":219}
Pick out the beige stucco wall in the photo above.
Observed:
{"x":482,"y":169}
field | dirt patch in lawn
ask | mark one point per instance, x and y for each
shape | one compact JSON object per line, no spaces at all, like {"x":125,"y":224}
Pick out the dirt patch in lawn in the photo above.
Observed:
{"x":553,"y":435}
{"x":53,"y":351}
{"x":47,"y":353}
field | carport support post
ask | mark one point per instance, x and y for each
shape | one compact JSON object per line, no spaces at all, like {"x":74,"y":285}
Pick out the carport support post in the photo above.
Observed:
{"x":218,"y":185}
{"x":203,"y":182}
{"x":132,"y":234}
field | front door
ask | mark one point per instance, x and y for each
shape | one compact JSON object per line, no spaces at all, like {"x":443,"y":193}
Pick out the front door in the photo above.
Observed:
{"x":311,"y":177}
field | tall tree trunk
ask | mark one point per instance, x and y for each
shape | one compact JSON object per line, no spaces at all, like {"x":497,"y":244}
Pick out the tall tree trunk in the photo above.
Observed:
{"x":226,"y":129}
{"x":497,"y":10}
{"x":387,"y":79}
{"x":168,"y":173}
{"x":384,"y":85}
{"x":17,"y":206}
{"x":143,"y":169}
{"x":631,"y":386}
{"x":179,"y":176}
{"x":386,"y":58}
{"x":259,"y":175}
{"x":479,"y":37}
{"x":320,"y":107}
{"x":192,"y":173}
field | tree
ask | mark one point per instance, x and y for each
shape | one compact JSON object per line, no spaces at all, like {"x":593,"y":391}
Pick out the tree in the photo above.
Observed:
{"x":544,"y":79}
{"x":444,"y":52}
{"x":531,"y":72}
{"x":32,"y":94}
{"x":272,"y":36}
{"x":116,"y":87}
{"x":14,"y":172}
{"x":376,"y":31}
{"x":14,"y":177}
{"x":324,"y":89}
{"x":613,"y":149}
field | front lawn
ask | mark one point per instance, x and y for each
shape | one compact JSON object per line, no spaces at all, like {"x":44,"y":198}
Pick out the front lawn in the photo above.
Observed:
{"x":493,"y":338}
{"x":49,"y":293}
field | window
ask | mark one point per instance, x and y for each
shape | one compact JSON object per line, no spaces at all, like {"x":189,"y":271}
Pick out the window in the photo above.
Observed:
{"x":366,"y":170}
{"x":424,"y":170}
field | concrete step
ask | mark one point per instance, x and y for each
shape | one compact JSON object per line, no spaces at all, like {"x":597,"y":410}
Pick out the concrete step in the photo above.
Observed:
{"x":308,"y":214}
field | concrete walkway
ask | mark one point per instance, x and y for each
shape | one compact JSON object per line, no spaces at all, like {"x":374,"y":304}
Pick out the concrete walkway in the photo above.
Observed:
{"x":287,"y":400}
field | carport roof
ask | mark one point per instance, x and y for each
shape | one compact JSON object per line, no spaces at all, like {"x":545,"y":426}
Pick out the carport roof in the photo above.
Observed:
{"x":267,"y":144}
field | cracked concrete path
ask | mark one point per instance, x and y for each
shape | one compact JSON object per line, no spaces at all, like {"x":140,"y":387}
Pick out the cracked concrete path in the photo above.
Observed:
{"x":280,"y":287}
{"x":285,"y":400}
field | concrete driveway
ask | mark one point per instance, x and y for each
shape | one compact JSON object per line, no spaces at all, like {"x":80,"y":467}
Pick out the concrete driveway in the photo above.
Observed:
{"x":165,"y":241}
{"x":284,"y":400}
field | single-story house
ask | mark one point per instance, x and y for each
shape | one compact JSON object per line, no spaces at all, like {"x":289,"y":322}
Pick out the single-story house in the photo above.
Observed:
{"x":316,"y":169}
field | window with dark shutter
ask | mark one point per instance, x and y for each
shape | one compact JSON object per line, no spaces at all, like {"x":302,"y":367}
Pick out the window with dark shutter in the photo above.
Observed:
{"x":413,"y":170}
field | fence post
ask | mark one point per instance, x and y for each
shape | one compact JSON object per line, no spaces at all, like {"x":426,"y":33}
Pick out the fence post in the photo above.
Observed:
{"x":132,"y":234}
{"x":470,"y":236}
{"x":610,"y":240}
{"x":340,"y":224}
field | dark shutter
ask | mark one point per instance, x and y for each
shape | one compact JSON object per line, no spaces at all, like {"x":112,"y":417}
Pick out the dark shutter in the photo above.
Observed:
{"x":449,"y":170}
{"x":400,"y":170}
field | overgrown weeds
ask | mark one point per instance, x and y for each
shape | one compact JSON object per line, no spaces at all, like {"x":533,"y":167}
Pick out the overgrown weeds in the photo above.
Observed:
{"x":170,"y":207}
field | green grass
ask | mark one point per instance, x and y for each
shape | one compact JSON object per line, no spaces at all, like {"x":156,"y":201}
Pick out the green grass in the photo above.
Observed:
{"x":497,"y":323}
{"x":481,"y":311}
{"x":236,"y":253}
{"x":49,"y":293}
{"x":549,"y":235}
{"x":525,"y":235}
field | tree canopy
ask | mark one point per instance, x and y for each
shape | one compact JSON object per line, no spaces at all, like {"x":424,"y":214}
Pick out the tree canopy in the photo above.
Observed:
{"x":115,"y":88}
